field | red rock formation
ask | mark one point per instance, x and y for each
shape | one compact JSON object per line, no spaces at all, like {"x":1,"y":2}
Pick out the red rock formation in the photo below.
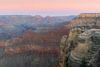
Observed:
{"x":31,"y":48}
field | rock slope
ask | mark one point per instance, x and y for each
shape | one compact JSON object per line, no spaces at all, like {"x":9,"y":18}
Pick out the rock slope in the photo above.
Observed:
{"x":81,"y":48}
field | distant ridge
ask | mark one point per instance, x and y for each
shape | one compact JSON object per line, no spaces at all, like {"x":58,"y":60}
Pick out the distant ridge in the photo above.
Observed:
{"x":85,"y":19}
{"x":89,"y":15}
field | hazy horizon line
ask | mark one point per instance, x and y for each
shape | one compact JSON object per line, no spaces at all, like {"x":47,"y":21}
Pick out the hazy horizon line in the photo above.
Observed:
{"x":38,"y":14}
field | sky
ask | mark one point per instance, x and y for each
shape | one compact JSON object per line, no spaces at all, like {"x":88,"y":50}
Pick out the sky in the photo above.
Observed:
{"x":48,"y":7}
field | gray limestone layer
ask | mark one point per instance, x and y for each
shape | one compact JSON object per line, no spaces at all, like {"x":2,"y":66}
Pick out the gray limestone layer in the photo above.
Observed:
{"x":85,"y":52}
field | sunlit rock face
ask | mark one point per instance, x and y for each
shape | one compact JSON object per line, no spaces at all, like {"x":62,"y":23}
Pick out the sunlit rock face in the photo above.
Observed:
{"x":84,"y":19}
{"x":89,"y":15}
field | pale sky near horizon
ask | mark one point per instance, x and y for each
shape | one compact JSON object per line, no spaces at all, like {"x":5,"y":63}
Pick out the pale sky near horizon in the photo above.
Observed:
{"x":48,"y":7}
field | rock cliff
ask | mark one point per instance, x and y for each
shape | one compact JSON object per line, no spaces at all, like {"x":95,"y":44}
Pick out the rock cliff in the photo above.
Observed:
{"x":81,"y":48}
{"x":86,"y":19}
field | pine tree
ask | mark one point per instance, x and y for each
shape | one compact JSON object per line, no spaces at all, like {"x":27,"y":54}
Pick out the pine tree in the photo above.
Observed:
{"x":83,"y":63}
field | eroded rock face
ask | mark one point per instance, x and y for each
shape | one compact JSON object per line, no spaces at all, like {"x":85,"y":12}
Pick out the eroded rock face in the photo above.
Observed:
{"x":87,"y":48}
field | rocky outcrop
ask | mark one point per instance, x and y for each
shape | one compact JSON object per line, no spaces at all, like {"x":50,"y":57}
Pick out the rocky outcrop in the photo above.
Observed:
{"x":85,"y":19}
{"x":85,"y":46}
{"x":81,"y":48}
